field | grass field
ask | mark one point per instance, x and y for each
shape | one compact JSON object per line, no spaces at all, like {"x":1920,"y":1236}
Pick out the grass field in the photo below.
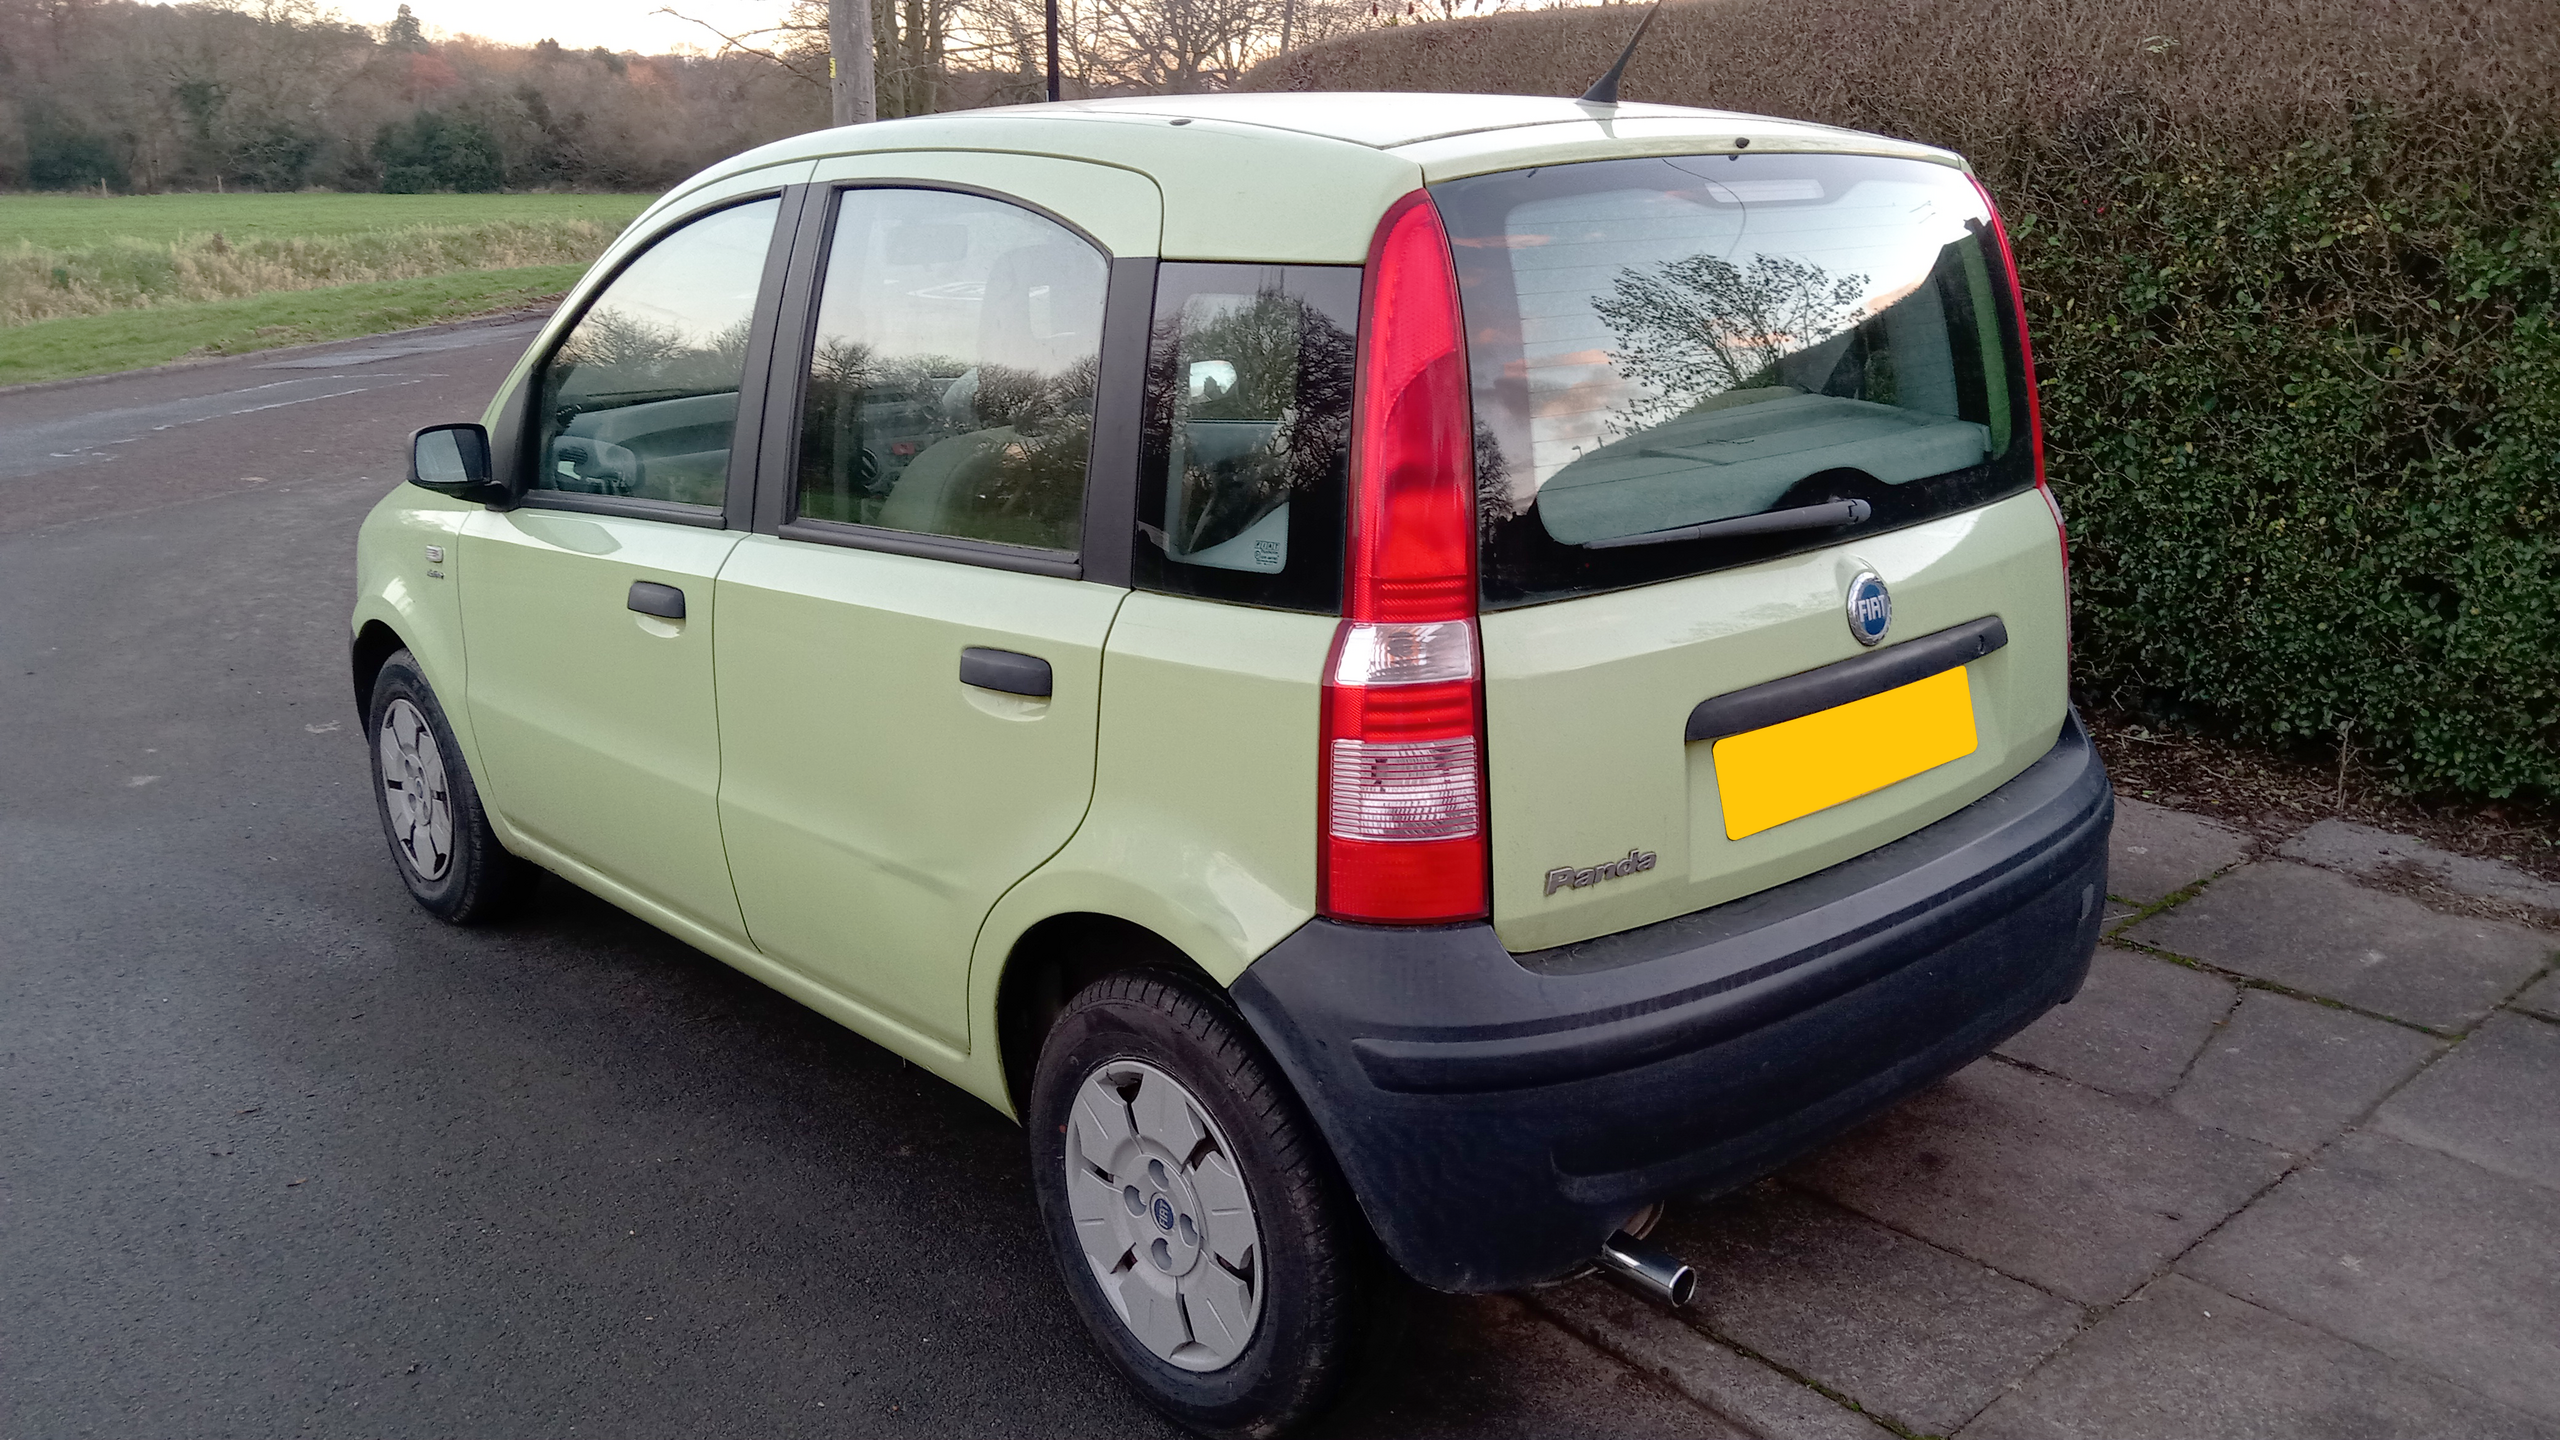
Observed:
{"x":126,"y":339}
{"x":65,"y":222}
{"x":92,"y":284}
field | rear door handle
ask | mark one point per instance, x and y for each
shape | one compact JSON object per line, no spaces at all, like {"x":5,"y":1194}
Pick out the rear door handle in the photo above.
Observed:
{"x":651,"y":598}
{"x":1006,"y":670}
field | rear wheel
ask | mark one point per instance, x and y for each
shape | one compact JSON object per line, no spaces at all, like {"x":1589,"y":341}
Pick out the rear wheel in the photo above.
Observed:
{"x":440,"y":837}
{"x":1199,"y":1226}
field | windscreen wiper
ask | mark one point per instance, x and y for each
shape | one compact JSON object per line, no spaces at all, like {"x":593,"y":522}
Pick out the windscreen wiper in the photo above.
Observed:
{"x":1807,"y":517}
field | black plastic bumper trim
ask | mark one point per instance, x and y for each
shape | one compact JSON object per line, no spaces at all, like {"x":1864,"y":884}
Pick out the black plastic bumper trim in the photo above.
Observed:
{"x":1498,"y":1118}
{"x":1792,"y":697}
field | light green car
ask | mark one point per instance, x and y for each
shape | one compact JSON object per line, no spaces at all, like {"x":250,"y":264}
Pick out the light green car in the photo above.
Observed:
{"x":1400,"y":677}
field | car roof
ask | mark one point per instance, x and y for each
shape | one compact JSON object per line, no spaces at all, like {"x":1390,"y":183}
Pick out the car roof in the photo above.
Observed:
{"x":1302,"y":177}
{"x":1380,"y":119}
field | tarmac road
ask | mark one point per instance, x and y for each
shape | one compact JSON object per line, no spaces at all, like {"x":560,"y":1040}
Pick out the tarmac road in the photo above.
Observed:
{"x":280,"y":1154}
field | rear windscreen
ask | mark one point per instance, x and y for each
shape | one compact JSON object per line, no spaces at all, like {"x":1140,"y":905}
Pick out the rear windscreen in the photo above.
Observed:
{"x":1689,"y":363}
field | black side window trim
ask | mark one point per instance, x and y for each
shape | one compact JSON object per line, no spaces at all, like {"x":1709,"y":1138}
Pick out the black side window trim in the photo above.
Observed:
{"x":754,"y":379}
{"x":1111,"y":464}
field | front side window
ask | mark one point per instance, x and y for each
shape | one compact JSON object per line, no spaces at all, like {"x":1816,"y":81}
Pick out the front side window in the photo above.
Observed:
{"x":1692,"y":362}
{"x":951,"y":381}
{"x":642,"y":397}
{"x":1247,"y":433}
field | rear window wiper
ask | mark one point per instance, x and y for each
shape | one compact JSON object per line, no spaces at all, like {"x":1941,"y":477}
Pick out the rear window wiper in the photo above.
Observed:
{"x":1807,"y":517}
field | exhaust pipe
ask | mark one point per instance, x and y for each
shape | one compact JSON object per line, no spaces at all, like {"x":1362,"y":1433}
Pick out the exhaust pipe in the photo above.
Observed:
{"x":1659,"y":1275}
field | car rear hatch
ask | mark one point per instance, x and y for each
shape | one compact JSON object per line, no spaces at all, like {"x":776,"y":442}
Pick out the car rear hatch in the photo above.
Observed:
{"x":1740,"y":418}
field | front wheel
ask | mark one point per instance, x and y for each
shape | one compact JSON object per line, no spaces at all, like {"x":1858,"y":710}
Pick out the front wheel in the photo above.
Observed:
{"x":440,"y":836}
{"x":1201,"y":1231}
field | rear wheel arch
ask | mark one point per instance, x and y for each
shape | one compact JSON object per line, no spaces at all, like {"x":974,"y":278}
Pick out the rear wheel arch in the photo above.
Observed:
{"x":1059,"y":957}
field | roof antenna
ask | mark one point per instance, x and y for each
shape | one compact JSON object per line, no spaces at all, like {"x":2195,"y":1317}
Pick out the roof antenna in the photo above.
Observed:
{"x":1604,"y":91}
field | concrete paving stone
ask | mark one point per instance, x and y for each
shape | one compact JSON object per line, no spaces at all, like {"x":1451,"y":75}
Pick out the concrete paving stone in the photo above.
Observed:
{"x":2157,"y":851}
{"x":2364,"y":850}
{"x":2132,"y":1029}
{"x":2055,"y":1183}
{"x":1478,"y":1366}
{"x":2421,"y":1256}
{"x":2542,"y":999}
{"x":2494,"y":1102}
{"x":2294,"y":1074}
{"x":2322,"y":933}
{"x":2116,"y":913}
{"x":1912,"y":1334}
{"x":1733,"y":1385}
{"x":2180,"y":1361}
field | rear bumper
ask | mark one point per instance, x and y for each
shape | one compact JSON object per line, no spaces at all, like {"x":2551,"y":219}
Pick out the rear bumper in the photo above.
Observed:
{"x":1498,"y":1115}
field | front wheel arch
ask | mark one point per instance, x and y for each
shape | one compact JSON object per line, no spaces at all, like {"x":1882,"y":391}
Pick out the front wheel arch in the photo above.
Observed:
{"x":375,"y":643}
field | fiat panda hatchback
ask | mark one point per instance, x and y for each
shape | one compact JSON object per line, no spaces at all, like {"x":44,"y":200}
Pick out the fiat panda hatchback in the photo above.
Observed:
{"x":1399,"y":677}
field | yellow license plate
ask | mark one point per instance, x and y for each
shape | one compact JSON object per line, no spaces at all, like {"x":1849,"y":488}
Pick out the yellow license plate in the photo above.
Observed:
{"x":1785,"y":771}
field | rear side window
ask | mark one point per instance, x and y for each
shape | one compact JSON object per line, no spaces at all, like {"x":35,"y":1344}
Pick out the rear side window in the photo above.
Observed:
{"x":1689,"y":363}
{"x":950,"y":388}
{"x":1247,"y":433}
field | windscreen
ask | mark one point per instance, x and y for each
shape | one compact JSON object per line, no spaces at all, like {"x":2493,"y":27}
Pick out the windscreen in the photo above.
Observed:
{"x":1687,"y":363}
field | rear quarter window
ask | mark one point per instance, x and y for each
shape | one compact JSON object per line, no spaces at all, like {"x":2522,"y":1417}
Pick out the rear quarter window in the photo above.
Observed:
{"x":1688,"y":363}
{"x":1246,"y":436}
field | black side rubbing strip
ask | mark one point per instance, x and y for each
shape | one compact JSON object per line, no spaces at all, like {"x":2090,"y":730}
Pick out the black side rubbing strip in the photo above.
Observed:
{"x":1006,"y":670}
{"x":651,"y":598}
{"x":1791,"y":696}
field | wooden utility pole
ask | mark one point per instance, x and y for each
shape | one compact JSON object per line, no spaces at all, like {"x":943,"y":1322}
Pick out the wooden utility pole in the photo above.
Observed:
{"x":857,"y":96}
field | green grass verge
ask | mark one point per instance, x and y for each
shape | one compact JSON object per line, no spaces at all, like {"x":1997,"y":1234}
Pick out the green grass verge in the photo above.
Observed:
{"x":61,"y":222}
{"x":127,"y":339}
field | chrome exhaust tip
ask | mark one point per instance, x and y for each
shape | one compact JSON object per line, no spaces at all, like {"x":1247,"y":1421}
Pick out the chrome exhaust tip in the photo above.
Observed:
{"x":1657,"y":1274}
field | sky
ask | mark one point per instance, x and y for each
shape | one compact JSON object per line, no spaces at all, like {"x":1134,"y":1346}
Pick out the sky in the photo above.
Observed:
{"x":580,"y":24}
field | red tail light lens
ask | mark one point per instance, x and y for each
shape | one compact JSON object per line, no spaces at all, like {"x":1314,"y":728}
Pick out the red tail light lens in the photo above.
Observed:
{"x":1401,"y":795}
{"x":2035,"y":409}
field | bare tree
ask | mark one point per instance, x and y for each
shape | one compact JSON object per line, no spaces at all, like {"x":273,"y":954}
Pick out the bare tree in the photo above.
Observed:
{"x":1183,"y":46}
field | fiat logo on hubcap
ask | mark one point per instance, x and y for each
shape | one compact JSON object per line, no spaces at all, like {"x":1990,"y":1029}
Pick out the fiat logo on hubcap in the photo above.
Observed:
{"x":1870,"y":607}
{"x":1164,"y":1213}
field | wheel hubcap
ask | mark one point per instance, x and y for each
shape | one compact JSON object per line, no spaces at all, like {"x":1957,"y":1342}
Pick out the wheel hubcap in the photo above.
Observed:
{"x":414,"y":795}
{"x":1163,"y":1216}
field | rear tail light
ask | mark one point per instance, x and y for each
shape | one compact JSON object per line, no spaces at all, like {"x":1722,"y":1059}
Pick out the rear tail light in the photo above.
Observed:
{"x":2035,"y":410}
{"x":1401,"y":829}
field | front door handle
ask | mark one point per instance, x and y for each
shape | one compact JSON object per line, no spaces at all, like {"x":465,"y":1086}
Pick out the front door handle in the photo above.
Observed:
{"x":1006,"y":670}
{"x":651,"y":598}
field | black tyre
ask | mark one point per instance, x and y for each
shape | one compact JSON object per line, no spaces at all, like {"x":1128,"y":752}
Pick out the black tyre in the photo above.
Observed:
{"x":1202,"y":1231}
{"x":440,"y":837}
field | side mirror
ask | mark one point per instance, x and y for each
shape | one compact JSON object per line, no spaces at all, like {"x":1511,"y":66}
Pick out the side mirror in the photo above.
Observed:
{"x":452,"y":460}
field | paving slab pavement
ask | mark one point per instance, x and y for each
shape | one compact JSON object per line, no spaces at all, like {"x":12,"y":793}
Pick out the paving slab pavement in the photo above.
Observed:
{"x":2155,"y":851}
{"x":2364,"y":851}
{"x":2133,"y":1029}
{"x":2368,"y":1207}
{"x":2325,"y":935}
{"x":2421,"y":1256}
{"x":1913,"y":1333}
{"x":2542,"y":998}
{"x":1751,"y":1394}
{"x":2294,"y":1073}
{"x":2494,"y":1102}
{"x":2075,"y":1190}
{"x":2183,"y":1362}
